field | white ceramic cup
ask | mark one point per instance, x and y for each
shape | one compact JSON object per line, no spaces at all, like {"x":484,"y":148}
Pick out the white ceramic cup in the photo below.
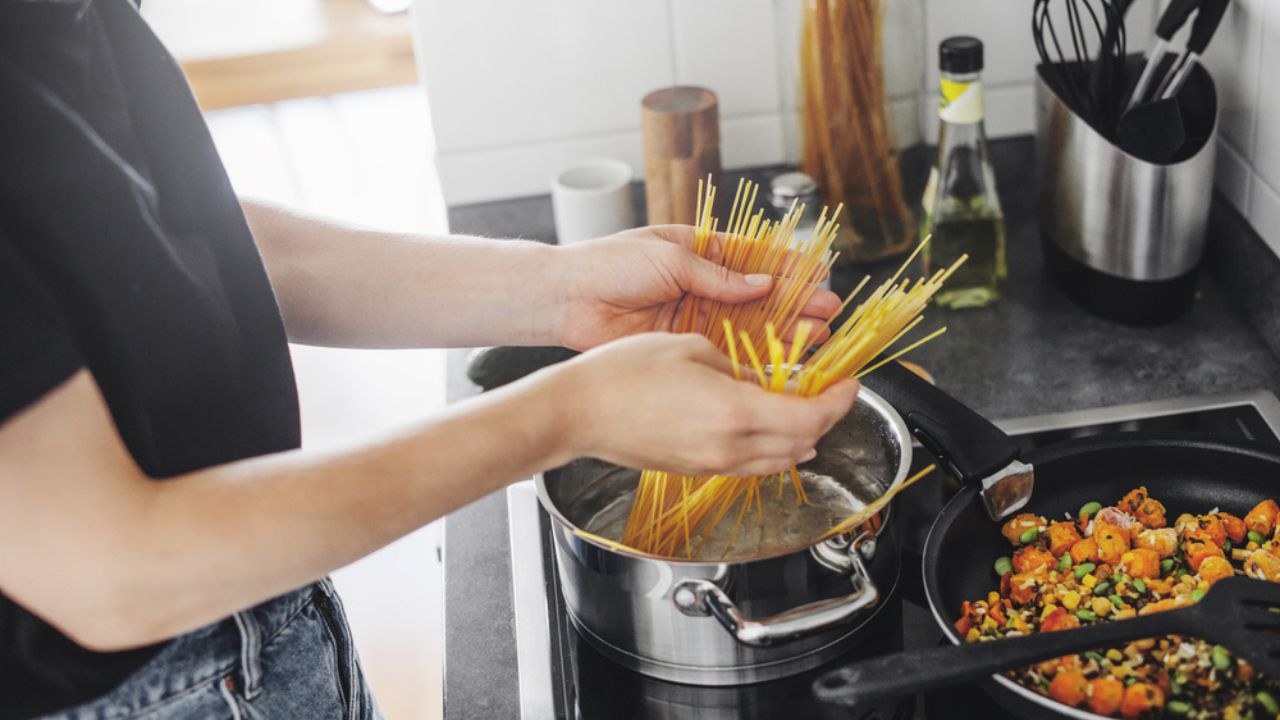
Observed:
{"x":592,"y":199}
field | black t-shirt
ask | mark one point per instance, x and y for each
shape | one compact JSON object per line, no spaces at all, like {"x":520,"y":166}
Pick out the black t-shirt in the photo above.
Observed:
{"x":122,"y":250}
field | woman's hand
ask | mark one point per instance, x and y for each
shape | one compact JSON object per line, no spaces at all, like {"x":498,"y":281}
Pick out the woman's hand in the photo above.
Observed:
{"x":634,"y":282}
{"x":670,"y":402}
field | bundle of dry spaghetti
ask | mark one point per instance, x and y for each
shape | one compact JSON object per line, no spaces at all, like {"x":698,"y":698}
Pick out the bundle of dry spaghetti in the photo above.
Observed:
{"x":674,"y":514}
{"x":753,"y":244}
{"x":848,"y":144}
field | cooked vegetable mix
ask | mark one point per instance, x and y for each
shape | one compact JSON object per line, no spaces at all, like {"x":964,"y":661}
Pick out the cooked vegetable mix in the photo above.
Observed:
{"x":1116,"y":562}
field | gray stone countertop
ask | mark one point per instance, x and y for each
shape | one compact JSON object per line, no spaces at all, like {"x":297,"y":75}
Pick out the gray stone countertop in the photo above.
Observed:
{"x":1033,"y":352}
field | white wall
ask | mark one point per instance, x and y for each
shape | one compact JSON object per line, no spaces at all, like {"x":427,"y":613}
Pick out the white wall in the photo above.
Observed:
{"x":518,"y":88}
{"x":1247,"y":42}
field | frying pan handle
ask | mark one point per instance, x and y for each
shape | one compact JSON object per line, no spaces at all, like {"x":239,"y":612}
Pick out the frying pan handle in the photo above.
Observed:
{"x":699,"y":597}
{"x":967,"y":444}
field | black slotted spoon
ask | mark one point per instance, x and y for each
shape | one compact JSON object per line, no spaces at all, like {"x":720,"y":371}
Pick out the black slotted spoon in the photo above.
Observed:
{"x":1238,"y":613}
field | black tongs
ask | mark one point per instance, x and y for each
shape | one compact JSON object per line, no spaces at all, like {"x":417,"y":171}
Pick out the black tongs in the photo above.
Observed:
{"x":1208,"y":15}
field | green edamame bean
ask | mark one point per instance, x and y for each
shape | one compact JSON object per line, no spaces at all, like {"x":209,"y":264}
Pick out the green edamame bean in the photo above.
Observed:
{"x":1177,"y":708}
{"x":1140,"y":586}
{"x":1086,"y":615}
{"x":1221,"y":658}
{"x":1267,"y":702}
{"x":1101,"y":588}
{"x":1115,"y":600}
{"x":1003,"y":565}
{"x":1090,"y":509}
{"x":1197,"y":595}
{"x":1255,"y":536}
{"x":1028,"y":536}
{"x":1084,"y":569}
{"x":1166,"y":565}
{"x":1064,"y":562}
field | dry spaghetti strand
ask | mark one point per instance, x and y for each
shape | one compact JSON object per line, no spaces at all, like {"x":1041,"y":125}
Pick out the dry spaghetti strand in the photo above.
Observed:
{"x":673,"y":514}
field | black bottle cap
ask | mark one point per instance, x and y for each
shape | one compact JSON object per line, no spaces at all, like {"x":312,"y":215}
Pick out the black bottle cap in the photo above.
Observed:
{"x":960,"y":54}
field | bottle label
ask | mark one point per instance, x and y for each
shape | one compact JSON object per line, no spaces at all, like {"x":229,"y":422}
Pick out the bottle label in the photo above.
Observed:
{"x":960,"y":102}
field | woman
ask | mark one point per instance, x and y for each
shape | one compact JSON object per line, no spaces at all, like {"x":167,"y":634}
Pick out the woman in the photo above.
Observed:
{"x":164,"y":540}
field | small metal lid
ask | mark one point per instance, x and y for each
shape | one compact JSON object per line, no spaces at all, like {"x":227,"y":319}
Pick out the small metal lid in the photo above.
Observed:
{"x":791,"y":186}
{"x":960,"y":54}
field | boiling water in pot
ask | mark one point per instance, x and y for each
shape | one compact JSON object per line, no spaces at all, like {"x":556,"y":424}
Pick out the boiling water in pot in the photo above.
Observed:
{"x":778,"y":525}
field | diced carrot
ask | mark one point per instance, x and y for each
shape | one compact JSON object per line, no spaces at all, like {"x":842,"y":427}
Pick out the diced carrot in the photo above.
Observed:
{"x":1163,"y":540}
{"x":1031,"y":559}
{"x":1112,"y":541}
{"x":1069,"y":687}
{"x":1198,"y":548}
{"x":1214,"y":569}
{"x":1235,"y":527}
{"x":1142,"y":700}
{"x":1105,"y":696}
{"x":1262,"y":518}
{"x":1019,"y":524}
{"x":1059,"y":619}
{"x":1141,"y":563}
{"x":1023,"y":588}
{"x":1213,"y":528}
{"x":1062,"y":536}
{"x":1263,"y":565}
{"x":1085,"y":550}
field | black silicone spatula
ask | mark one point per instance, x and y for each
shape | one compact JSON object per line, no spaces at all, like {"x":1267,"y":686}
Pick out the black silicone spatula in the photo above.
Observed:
{"x":1239,"y":613}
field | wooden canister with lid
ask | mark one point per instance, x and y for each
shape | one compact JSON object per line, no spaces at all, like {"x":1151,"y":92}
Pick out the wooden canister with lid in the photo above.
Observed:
{"x":681,"y":127}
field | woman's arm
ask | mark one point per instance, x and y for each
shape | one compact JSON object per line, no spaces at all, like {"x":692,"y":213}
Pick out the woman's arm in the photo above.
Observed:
{"x":116,"y":560}
{"x":343,"y":286}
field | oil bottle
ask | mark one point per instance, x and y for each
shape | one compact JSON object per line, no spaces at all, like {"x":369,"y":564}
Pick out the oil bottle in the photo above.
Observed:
{"x":960,"y":207}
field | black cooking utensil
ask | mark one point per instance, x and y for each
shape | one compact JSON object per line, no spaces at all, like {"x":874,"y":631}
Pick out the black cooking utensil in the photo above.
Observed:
{"x":1188,"y":472}
{"x":1206,"y":24}
{"x":1109,"y":72}
{"x":1239,"y":613}
{"x":1153,"y":131}
{"x":1173,"y":18}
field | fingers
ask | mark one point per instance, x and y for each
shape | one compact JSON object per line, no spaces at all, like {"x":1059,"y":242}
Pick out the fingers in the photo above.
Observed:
{"x":715,"y":282}
{"x":823,"y":304}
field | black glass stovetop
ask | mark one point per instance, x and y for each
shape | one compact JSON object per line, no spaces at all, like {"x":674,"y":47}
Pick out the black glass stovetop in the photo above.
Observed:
{"x":562,"y":677}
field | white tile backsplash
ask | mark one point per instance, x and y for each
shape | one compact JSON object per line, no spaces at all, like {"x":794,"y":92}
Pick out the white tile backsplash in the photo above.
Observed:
{"x":1264,"y":212}
{"x":518,"y":89}
{"x":1004,"y":27}
{"x":1234,"y":59}
{"x":510,"y":72}
{"x":1266,"y":101}
{"x":730,"y":46}
{"x":1232,"y":175}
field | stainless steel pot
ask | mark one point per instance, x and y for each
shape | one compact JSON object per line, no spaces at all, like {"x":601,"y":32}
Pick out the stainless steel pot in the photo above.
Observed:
{"x":738,"y":621}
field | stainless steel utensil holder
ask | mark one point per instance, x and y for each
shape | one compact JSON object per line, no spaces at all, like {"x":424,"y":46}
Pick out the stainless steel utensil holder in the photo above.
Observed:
{"x":1123,"y":236}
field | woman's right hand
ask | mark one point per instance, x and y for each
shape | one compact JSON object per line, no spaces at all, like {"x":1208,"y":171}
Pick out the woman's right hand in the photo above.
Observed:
{"x":670,"y":402}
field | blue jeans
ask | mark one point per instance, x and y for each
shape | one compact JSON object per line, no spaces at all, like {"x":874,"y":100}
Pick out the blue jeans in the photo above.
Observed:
{"x":291,"y":657}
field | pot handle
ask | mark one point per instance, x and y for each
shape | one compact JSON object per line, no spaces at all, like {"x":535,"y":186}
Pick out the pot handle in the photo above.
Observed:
{"x":968,"y":445}
{"x":699,"y":597}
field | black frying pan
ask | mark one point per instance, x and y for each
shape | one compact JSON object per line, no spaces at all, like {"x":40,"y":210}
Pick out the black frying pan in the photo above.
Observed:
{"x":1188,"y":473}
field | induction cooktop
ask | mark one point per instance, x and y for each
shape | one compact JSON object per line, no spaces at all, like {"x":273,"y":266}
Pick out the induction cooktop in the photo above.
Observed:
{"x":562,"y":677}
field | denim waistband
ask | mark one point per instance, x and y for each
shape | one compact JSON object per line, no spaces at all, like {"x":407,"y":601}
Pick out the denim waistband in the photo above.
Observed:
{"x":191,"y":661}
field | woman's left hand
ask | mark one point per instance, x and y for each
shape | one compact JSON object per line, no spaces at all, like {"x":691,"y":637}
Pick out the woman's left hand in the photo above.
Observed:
{"x":634,"y":282}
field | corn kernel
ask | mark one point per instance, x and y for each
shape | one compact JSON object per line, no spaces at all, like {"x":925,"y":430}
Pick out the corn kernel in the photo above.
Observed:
{"x":1050,"y":608}
{"x":1120,"y":671}
{"x":1072,"y":600}
{"x":1114,"y":655}
{"x":988,"y":623}
{"x":993,"y":598}
{"x":1101,"y":606}
{"x":972,"y":635}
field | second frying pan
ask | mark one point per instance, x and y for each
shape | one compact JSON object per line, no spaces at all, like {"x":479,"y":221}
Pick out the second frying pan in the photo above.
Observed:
{"x":1188,"y":473}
